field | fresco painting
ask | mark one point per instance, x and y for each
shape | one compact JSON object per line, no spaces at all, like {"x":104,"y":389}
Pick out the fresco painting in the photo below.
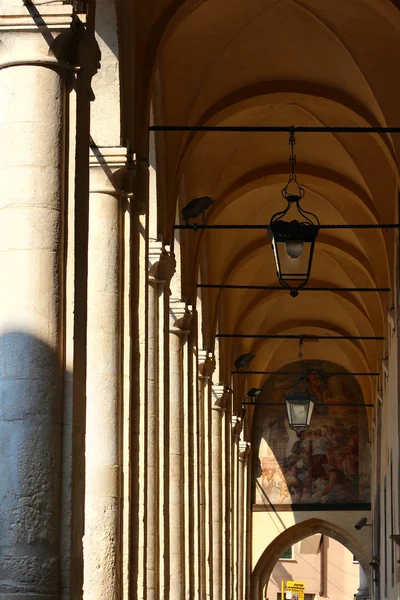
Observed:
{"x":324,"y":465}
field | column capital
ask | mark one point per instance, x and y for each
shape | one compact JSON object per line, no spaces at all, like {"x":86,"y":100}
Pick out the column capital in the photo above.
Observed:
{"x":36,"y":16}
{"x":111,"y":171}
{"x":180,"y":317}
{"x":57,"y":44}
{"x":206,"y":364}
{"x":392,"y":320}
{"x":220,"y":396}
{"x":162,"y":262}
{"x":244,"y":450}
{"x":236,"y":427}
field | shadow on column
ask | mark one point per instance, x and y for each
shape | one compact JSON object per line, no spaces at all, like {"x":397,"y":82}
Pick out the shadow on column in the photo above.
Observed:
{"x":36,"y":441}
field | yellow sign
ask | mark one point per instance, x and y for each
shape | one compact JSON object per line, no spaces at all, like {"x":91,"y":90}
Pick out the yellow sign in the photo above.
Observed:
{"x":295,"y":590}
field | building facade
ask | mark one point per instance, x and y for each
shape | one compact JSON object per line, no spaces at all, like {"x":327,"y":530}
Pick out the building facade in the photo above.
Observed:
{"x":135,"y":465}
{"x":322,"y":566}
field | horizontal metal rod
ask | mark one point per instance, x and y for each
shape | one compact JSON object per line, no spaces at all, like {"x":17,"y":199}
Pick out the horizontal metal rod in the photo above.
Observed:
{"x":264,"y":227}
{"x":223,"y":286}
{"x":315,"y":404}
{"x":273,"y":129}
{"x":304,"y":337}
{"x":279,"y":373}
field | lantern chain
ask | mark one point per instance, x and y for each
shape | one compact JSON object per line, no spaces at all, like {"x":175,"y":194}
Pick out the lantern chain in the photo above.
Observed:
{"x":300,"y":356}
{"x":292,"y":157}
{"x":290,"y":197}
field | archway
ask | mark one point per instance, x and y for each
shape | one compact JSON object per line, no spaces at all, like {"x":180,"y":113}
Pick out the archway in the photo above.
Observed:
{"x":310,"y":526}
{"x":317,"y":565}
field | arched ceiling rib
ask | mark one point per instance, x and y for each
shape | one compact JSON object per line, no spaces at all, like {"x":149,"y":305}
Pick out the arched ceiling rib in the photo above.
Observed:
{"x":284,"y":62}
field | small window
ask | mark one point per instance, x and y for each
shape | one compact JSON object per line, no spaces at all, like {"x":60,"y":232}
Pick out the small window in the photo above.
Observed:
{"x":288,"y":554}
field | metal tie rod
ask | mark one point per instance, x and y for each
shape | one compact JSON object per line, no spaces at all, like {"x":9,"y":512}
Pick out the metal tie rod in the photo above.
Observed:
{"x":272,"y":129}
{"x":279,"y":373}
{"x":196,"y":226}
{"x":304,"y":337}
{"x":279,"y":287}
{"x":315,"y":404}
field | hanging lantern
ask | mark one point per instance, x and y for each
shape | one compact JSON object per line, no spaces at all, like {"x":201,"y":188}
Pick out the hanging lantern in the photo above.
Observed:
{"x":299,"y":408}
{"x":300,"y":401}
{"x":293,"y":240}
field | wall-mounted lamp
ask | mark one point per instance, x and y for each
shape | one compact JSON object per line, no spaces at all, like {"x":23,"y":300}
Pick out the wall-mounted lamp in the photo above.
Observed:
{"x":362,"y":523}
{"x":243,"y":361}
{"x":253,"y":393}
{"x":395,"y":538}
{"x":195,"y":208}
{"x":293,"y":240}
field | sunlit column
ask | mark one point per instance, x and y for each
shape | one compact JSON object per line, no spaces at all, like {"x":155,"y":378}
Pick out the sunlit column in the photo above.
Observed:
{"x":179,"y":331}
{"x":363,"y":589}
{"x":195,"y":523}
{"x":102,"y":551}
{"x":190,"y":457}
{"x":227,"y":499}
{"x":236,"y":425}
{"x":219,"y":399}
{"x":244,"y":451}
{"x":161,"y":270}
{"x":32,"y":229}
{"x":206,"y":369}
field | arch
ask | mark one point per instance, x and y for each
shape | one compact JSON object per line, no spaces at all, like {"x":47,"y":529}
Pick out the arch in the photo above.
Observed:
{"x":310,"y":526}
{"x":284,"y":91}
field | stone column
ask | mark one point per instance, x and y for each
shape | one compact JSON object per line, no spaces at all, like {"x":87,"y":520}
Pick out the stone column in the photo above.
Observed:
{"x":160,"y":273}
{"x":236,"y":429}
{"x":206,"y":366}
{"x":244,"y":451}
{"x":32,"y":108}
{"x":363,"y":590}
{"x":227,"y":478}
{"x":219,"y":399}
{"x":102,"y":550}
{"x":194,"y":468}
{"x":179,"y":331}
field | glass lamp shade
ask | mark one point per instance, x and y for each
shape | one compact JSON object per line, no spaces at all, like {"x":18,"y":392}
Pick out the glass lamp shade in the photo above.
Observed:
{"x":299,"y":408}
{"x":293,"y":247}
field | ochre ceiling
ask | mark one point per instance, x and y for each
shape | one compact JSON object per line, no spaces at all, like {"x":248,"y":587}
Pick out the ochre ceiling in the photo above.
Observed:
{"x":282,"y":62}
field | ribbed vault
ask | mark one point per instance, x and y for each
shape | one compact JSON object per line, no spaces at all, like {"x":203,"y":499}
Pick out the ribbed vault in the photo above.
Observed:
{"x":275,"y":63}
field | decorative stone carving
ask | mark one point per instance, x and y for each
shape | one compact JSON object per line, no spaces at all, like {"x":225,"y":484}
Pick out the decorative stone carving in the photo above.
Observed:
{"x":162,"y":262}
{"x":111,"y":171}
{"x":206,"y":364}
{"x":392,"y":320}
{"x":236,"y":427}
{"x":244,"y":451}
{"x":220,"y":396}
{"x":180,"y":316}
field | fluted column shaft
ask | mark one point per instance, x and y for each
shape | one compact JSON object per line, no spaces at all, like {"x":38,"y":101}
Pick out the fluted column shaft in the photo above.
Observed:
{"x":219,"y":397}
{"x":244,"y":448}
{"x":102,"y":552}
{"x":206,"y":369}
{"x":160,"y":272}
{"x":235,"y":486}
{"x":227,"y":477}
{"x":179,"y":332}
{"x":32,"y":106}
{"x":152,"y":489}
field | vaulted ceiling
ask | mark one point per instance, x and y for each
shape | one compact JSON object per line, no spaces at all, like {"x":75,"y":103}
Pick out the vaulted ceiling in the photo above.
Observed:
{"x":282,"y":63}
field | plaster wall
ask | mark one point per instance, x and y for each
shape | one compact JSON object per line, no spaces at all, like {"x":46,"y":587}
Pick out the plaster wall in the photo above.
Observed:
{"x":342,"y":575}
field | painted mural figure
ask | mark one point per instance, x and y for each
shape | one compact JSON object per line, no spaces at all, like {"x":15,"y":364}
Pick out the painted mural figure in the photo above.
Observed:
{"x":323,"y":466}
